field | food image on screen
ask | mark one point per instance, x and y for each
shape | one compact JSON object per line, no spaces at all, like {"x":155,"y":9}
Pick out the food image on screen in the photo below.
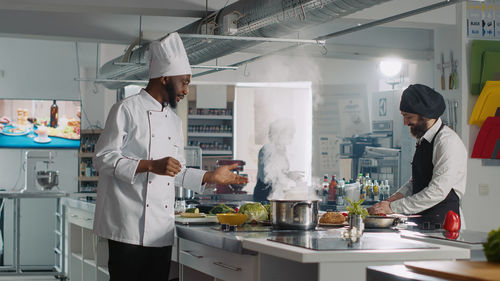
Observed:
{"x":39,"y":123}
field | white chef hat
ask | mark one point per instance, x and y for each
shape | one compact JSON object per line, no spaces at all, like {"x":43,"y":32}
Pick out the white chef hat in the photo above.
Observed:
{"x":168,"y":57}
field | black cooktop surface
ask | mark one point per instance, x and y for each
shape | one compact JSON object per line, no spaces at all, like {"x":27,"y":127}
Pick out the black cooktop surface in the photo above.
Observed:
{"x":367,"y":242}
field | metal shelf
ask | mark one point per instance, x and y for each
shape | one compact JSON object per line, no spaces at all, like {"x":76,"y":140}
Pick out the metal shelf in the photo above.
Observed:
{"x":215,"y":117}
{"x":210,"y":135}
{"x":86,"y":154}
{"x":88,"y":178}
{"x":217,"y":152}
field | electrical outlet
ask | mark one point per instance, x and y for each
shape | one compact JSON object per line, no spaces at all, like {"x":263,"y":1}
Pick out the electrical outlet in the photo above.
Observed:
{"x":484,"y":189}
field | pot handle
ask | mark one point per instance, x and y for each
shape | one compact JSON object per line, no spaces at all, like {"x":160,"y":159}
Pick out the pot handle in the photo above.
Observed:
{"x":301,"y":203}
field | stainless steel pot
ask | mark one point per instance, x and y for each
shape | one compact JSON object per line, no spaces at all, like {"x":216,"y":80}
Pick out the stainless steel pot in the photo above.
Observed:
{"x":294,"y":214}
{"x":183,"y":193}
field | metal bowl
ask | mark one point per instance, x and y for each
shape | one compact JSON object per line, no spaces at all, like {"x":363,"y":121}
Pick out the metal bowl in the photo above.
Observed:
{"x":47,"y":179}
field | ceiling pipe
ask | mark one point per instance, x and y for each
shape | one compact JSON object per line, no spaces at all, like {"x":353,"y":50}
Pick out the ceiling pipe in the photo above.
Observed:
{"x":244,"y":18}
{"x":347,"y":31}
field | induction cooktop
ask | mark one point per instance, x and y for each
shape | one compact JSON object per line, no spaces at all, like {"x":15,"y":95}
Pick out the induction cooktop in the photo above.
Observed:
{"x":366,"y":242}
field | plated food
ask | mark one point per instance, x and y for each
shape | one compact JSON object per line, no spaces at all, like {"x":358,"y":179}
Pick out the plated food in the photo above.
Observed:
{"x":13,"y":130}
{"x":192,"y":215}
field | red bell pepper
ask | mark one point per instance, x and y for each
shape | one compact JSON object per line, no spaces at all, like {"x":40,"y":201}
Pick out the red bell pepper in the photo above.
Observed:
{"x":453,"y":235}
{"x":451,"y":222}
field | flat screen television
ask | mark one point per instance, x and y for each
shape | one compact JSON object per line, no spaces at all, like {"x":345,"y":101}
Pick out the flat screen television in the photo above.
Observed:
{"x":39,"y":123}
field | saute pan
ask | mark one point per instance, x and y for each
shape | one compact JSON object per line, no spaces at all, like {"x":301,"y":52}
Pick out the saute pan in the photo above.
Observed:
{"x":380,"y":221}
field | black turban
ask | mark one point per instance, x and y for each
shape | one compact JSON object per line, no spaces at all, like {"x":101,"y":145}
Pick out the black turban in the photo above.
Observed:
{"x":422,"y":100}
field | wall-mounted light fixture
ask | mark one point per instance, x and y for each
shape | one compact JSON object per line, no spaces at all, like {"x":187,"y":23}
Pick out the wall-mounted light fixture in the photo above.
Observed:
{"x":391,"y":67}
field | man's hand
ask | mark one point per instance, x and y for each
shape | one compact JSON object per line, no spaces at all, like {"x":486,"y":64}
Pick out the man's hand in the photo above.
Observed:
{"x":383,"y":207}
{"x":223,"y":175}
{"x":167,"y":166}
{"x":4,"y":120}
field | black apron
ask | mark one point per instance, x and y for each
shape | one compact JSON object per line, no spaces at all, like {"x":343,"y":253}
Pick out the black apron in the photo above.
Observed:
{"x":261,"y":191}
{"x":422,"y":171}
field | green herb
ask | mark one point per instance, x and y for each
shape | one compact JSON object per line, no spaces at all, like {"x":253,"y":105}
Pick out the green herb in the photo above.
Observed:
{"x":492,"y":246}
{"x":356,"y":209}
{"x":221,"y":208}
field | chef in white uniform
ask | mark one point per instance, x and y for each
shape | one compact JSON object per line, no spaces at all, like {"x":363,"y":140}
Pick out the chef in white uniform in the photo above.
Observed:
{"x":139,"y":157}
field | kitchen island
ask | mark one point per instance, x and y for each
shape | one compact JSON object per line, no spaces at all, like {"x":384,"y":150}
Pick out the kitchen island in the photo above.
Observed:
{"x":204,"y":252}
{"x":253,"y":256}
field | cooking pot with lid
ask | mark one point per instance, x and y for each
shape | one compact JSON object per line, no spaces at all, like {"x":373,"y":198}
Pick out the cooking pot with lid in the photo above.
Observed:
{"x":294,"y":214}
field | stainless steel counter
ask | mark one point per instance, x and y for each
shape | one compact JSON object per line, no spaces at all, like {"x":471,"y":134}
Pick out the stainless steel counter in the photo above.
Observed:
{"x":208,"y":235}
{"x":32,"y":194}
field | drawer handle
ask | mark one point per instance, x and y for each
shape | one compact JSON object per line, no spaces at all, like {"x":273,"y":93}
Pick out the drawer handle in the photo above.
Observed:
{"x":233,"y":268}
{"x":193,"y":255}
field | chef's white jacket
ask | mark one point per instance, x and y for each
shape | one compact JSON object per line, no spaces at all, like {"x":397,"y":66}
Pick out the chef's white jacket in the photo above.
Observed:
{"x":139,"y":208}
{"x":449,"y":158}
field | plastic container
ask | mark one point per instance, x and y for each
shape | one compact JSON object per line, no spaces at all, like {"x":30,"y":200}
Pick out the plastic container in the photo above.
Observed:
{"x":351,"y":191}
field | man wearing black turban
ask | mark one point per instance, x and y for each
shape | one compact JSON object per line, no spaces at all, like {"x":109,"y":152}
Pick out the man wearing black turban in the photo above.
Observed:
{"x":439,"y":166}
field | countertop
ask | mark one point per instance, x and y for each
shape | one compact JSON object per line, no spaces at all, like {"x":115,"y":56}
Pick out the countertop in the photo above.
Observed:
{"x":33,"y":194}
{"x":249,"y":242}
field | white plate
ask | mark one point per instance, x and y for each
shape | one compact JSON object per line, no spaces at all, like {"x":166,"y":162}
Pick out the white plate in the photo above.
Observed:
{"x":20,"y":133}
{"x":39,"y":140}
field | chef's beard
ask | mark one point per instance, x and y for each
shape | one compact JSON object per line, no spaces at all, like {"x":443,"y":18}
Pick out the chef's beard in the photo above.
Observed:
{"x":418,"y":130}
{"x":172,"y":97}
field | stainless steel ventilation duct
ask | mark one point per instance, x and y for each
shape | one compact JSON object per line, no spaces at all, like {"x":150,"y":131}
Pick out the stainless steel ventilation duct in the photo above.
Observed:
{"x":254,"y":18}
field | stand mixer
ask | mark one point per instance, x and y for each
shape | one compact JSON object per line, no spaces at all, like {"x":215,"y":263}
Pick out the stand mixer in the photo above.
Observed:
{"x":38,"y":179}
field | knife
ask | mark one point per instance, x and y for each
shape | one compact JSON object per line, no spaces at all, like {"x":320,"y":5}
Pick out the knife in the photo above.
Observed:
{"x":443,"y":83}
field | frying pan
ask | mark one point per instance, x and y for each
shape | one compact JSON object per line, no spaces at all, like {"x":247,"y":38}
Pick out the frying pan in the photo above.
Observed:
{"x":380,"y":221}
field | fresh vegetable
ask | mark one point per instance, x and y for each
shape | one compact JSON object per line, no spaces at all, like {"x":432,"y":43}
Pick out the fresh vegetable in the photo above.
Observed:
{"x":254,"y":211}
{"x":268,"y":209}
{"x":356,"y":209}
{"x":221,"y":208}
{"x":453,"y":235}
{"x":492,"y":246}
{"x":451,"y":222}
{"x":193,"y":210}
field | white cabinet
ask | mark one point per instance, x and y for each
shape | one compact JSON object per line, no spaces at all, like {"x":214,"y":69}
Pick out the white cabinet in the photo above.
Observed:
{"x":88,"y":253}
{"x":217,"y":263}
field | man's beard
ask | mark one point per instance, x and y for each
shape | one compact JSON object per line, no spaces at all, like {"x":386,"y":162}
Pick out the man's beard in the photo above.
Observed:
{"x":419,"y":129}
{"x":172,"y":97}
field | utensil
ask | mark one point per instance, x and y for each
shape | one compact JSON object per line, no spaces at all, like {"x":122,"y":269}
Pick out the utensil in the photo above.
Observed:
{"x":443,"y":83}
{"x":294,"y":214}
{"x":47,"y":179}
{"x":380,"y":221}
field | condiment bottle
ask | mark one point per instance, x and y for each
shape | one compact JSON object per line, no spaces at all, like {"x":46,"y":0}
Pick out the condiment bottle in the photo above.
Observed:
{"x":54,"y":115}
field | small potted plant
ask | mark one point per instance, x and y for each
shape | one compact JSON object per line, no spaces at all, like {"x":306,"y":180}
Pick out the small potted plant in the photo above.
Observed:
{"x":356,"y":214}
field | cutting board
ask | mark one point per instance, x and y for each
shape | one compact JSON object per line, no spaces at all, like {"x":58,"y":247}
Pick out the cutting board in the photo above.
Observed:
{"x":205,"y":220}
{"x":457,"y":270}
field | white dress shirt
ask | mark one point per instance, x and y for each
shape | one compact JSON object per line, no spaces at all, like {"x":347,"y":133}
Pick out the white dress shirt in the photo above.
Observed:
{"x":449,"y":158}
{"x":139,"y":208}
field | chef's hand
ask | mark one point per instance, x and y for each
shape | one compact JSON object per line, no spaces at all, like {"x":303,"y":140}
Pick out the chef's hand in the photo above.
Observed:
{"x":383,"y":207}
{"x":167,"y":166}
{"x":223,"y":175}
